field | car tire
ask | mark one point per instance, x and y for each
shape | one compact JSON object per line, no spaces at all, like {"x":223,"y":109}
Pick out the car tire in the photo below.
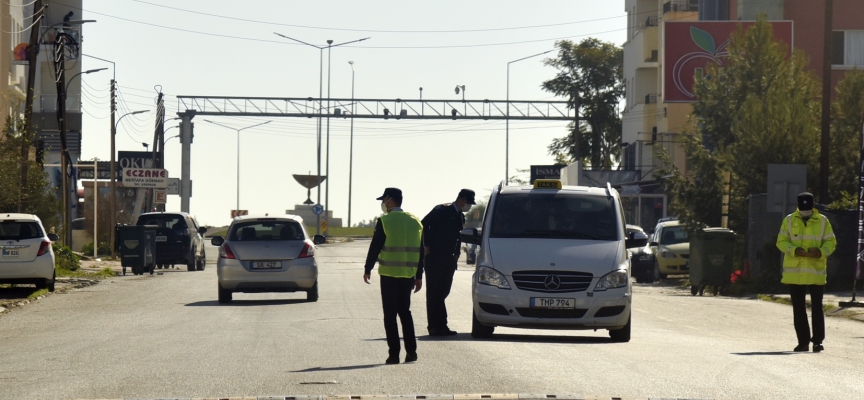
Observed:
{"x":480,"y":331}
{"x":657,"y":275}
{"x":312,"y":294}
{"x":640,"y":279}
{"x":694,"y":289}
{"x":621,"y":335}
{"x":190,"y":266}
{"x":49,"y":284}
{"x":224,"y":295}
{"x":202,"y":262}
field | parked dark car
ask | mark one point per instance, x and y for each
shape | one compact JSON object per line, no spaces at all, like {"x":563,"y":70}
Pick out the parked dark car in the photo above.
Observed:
{"x":641,"y":258}
{"x":178,"y":239}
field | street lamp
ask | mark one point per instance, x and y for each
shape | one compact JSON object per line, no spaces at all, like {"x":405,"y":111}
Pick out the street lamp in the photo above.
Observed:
{"x":351,"y":146}
{"x":89,"y":71}
{"x":463,"y":98}
{"x":507,"y":129}
{"x":113,"y":173}
{"x":238,"y":151}
{"x":320,"y":85}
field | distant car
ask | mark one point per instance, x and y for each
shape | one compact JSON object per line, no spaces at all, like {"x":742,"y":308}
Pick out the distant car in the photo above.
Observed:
{"x":178,"y":239}
{"x":641,"y":258}
{"x":671,"y":246}
{"x":26,"y":256}
{"x":267,"y":254}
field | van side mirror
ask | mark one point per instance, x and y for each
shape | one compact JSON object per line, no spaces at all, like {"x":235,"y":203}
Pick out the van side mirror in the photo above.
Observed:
{"x":319,"y":239}
{"x":52,"y":237}
{"x":217,"y":241}
{"x":202,"y":230}
{"x":470,"y":235}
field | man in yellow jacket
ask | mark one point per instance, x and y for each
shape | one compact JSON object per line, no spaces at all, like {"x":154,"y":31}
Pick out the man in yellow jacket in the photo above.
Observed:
{"x":806,"y":240}
{"x":396,"y":246}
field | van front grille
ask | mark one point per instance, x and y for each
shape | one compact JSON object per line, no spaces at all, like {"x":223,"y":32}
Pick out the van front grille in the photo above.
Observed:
{"x":552,"y":281}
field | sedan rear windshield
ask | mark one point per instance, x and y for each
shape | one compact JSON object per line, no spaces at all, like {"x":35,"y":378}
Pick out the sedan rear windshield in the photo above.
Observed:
{"x":173,"y":222}
{"x":556,"y":216}
{"x":266,"y":230}
{"x":15,"y":230}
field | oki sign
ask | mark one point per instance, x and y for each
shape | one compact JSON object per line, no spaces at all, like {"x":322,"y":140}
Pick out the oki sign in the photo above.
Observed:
{"x":145,"y":177}
{"x":690,"y":46}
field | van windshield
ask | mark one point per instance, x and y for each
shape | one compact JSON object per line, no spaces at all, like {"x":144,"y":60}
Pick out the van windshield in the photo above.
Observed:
{"x":554,"y":216}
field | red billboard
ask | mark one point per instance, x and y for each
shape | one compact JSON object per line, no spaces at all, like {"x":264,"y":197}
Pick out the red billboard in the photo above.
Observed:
{"x":690,"y":46}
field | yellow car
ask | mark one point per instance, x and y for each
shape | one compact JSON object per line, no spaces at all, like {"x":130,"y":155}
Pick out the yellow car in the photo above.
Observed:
{"x":671,"y":248}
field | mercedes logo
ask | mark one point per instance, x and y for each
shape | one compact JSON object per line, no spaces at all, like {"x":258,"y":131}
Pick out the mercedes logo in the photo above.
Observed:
{"x":552,"y":282}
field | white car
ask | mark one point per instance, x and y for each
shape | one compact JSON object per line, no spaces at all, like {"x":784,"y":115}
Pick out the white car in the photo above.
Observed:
{"x":267,"y":254}
{"x":553,"y":257}
{"x":25,"y":251}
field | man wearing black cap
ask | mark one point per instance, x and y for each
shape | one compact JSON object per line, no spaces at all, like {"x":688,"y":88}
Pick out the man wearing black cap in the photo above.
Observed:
{"x":441,"y":237}
{"x":397,"y":247}
{"x":806,"y":240}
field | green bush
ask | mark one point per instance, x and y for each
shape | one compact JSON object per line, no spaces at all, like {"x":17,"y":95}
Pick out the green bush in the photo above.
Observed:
{"x":65,"y":259}
{"x":104,"y":249}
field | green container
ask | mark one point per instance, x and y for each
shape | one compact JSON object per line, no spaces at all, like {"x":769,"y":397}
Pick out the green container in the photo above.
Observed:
{"x":137,"y":247}
{"x":711,"y":252}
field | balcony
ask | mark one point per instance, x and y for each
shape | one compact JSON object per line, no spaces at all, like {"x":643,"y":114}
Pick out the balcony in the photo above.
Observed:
{"x":650,"y":99}
{"x":681,"y":6}
{"x":652,"y":21}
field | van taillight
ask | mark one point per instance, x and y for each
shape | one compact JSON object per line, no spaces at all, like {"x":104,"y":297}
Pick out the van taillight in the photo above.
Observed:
{"x":44,"y":248}
{"x":225,"y":252}
{"x":308,"y":250}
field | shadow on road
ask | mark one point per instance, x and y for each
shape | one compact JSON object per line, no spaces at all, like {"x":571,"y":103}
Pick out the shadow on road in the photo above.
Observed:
{"x":245,"y":303}
{"x":16,"y":292}
{"x":345,"y":368}
{"x":765,"y":353}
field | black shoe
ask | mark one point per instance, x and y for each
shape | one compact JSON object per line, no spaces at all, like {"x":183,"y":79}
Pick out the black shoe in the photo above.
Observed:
{"x":448,"y":332}
{"x":818,"y":347}
{"x":411,"y":357}
{"x":392,"y":360}
{"x":802,"y":347}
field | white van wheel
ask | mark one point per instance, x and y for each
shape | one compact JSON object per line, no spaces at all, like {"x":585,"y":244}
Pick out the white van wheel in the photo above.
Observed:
{"x":621,"y":335}
{"x":480,"y":331}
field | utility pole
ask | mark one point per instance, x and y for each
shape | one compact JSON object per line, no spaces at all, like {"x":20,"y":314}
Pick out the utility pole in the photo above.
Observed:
{"x":60,"y":80}
{"x":113,"y":218}
{"x":156,"y":160}
{"x":826,"y":102}
{"x":32,"y":54}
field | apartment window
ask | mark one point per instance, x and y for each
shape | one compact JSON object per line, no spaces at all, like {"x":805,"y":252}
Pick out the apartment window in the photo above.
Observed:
{"x":848,"y":48}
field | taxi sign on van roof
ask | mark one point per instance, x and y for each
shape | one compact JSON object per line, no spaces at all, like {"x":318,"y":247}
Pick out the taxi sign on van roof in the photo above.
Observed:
{"x":547,"y":184}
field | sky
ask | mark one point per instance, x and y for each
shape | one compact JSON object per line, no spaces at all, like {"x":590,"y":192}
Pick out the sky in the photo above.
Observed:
{"x":228,"y":48}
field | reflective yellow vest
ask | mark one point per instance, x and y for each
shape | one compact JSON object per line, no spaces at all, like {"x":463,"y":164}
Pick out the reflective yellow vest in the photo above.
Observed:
{"x":794,"y":233}
{"x":401,"y":252}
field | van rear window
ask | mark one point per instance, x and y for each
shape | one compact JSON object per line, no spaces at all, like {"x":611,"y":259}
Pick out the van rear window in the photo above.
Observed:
{"x":554,"y":216}
{"x":15,"y":230}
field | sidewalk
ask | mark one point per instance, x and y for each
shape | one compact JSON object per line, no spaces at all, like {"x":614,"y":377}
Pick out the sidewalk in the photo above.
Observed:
{"x":832,"y":301}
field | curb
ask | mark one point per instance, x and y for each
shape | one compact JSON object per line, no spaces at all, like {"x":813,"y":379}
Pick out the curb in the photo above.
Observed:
{"x":496,"y":396}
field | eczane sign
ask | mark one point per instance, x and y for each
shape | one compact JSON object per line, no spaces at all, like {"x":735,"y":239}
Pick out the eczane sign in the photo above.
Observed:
{"x":145,"y":177}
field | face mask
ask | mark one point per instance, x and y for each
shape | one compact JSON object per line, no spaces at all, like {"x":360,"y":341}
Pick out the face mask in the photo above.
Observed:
{"x":466,"y":208}
{"x":384,"y":207}
{"x":805,"y":213}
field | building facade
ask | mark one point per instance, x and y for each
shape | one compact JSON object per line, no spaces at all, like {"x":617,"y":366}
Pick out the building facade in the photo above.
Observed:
{"x":654,"y":118}
{"x":12,"y":34}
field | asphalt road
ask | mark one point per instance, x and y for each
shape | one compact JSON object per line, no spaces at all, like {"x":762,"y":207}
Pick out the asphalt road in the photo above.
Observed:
{"x":166,"y":336}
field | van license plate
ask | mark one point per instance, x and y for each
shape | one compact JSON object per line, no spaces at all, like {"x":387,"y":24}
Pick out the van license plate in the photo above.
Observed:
{"x":543,"y":302}
{"x":161,"y":238}
{"x":266,"y":264}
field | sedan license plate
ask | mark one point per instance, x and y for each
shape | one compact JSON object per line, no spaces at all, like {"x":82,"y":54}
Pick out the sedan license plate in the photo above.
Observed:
{"x":543,"y":302}
{"x":266,"y":264}
{"x":11,"y":253}
{"x":161,"y":238}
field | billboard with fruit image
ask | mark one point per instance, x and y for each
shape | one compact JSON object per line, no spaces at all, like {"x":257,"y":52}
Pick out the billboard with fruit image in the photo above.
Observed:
{"x":690,"y":46}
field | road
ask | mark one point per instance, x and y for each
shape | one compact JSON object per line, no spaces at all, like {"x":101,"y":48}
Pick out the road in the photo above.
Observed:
{"x":166,"y":336}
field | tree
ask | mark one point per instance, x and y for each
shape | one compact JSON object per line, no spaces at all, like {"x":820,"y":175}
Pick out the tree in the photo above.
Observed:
{"x":591,"y":76}
{"x":41,"y":200}
{"x":846,"y":124}
{"x":761,"y":108}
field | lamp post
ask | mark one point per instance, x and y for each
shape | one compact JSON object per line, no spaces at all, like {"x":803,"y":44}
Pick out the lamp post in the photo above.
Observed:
{"x":320,"y":94}
{"x":238,"y":150}
{"x":95,"y":208}
{"x":507,"y":129}
{"x":351,"y":145}
{"x":89,"y":71}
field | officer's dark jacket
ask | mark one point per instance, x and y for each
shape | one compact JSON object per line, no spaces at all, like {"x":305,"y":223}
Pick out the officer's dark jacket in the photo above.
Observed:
{"x":441,"y":231}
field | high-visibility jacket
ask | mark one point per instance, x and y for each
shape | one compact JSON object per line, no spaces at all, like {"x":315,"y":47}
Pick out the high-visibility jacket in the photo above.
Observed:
{"x":794,"y":233}
{"x":401,"y":253}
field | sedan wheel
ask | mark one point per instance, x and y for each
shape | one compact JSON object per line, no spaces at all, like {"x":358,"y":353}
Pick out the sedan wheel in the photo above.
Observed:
{"x":312,"y":294}
{"x":224,"y":295}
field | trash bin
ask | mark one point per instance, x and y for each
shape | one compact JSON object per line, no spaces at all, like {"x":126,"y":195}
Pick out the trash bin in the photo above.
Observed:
{"x":711,"y":253}
{"x":137,"y":247}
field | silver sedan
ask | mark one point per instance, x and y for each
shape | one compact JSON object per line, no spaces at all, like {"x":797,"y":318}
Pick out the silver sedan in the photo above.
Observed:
{"x":267,"y":254}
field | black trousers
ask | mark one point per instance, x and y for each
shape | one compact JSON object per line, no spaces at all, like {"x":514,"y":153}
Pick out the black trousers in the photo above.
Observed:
{"x":799,"y":311}
{"x":439,"y":280}
{"x":396,"y":300}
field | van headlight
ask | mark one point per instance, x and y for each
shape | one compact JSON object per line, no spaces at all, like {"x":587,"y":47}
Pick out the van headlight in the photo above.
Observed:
{"x":491,"y":277}
{"x":612,"y":280}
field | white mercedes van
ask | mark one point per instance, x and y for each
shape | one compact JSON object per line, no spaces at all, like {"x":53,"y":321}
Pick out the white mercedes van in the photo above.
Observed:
{"x":553,"y":257}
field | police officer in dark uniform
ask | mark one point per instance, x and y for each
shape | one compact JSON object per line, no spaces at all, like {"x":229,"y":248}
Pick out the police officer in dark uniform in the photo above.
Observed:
{"x":442,"y":248}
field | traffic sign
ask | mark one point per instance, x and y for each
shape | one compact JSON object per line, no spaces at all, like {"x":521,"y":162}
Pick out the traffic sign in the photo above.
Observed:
{"x":318,"y":209}
{"x":237,"y":213}
{"x":160,"y":196}
{"x":324,"y":224}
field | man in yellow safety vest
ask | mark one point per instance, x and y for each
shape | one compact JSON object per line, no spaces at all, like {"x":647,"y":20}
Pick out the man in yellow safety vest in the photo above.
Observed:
{"x":396,"y":246}
{"x":806,"y":240}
